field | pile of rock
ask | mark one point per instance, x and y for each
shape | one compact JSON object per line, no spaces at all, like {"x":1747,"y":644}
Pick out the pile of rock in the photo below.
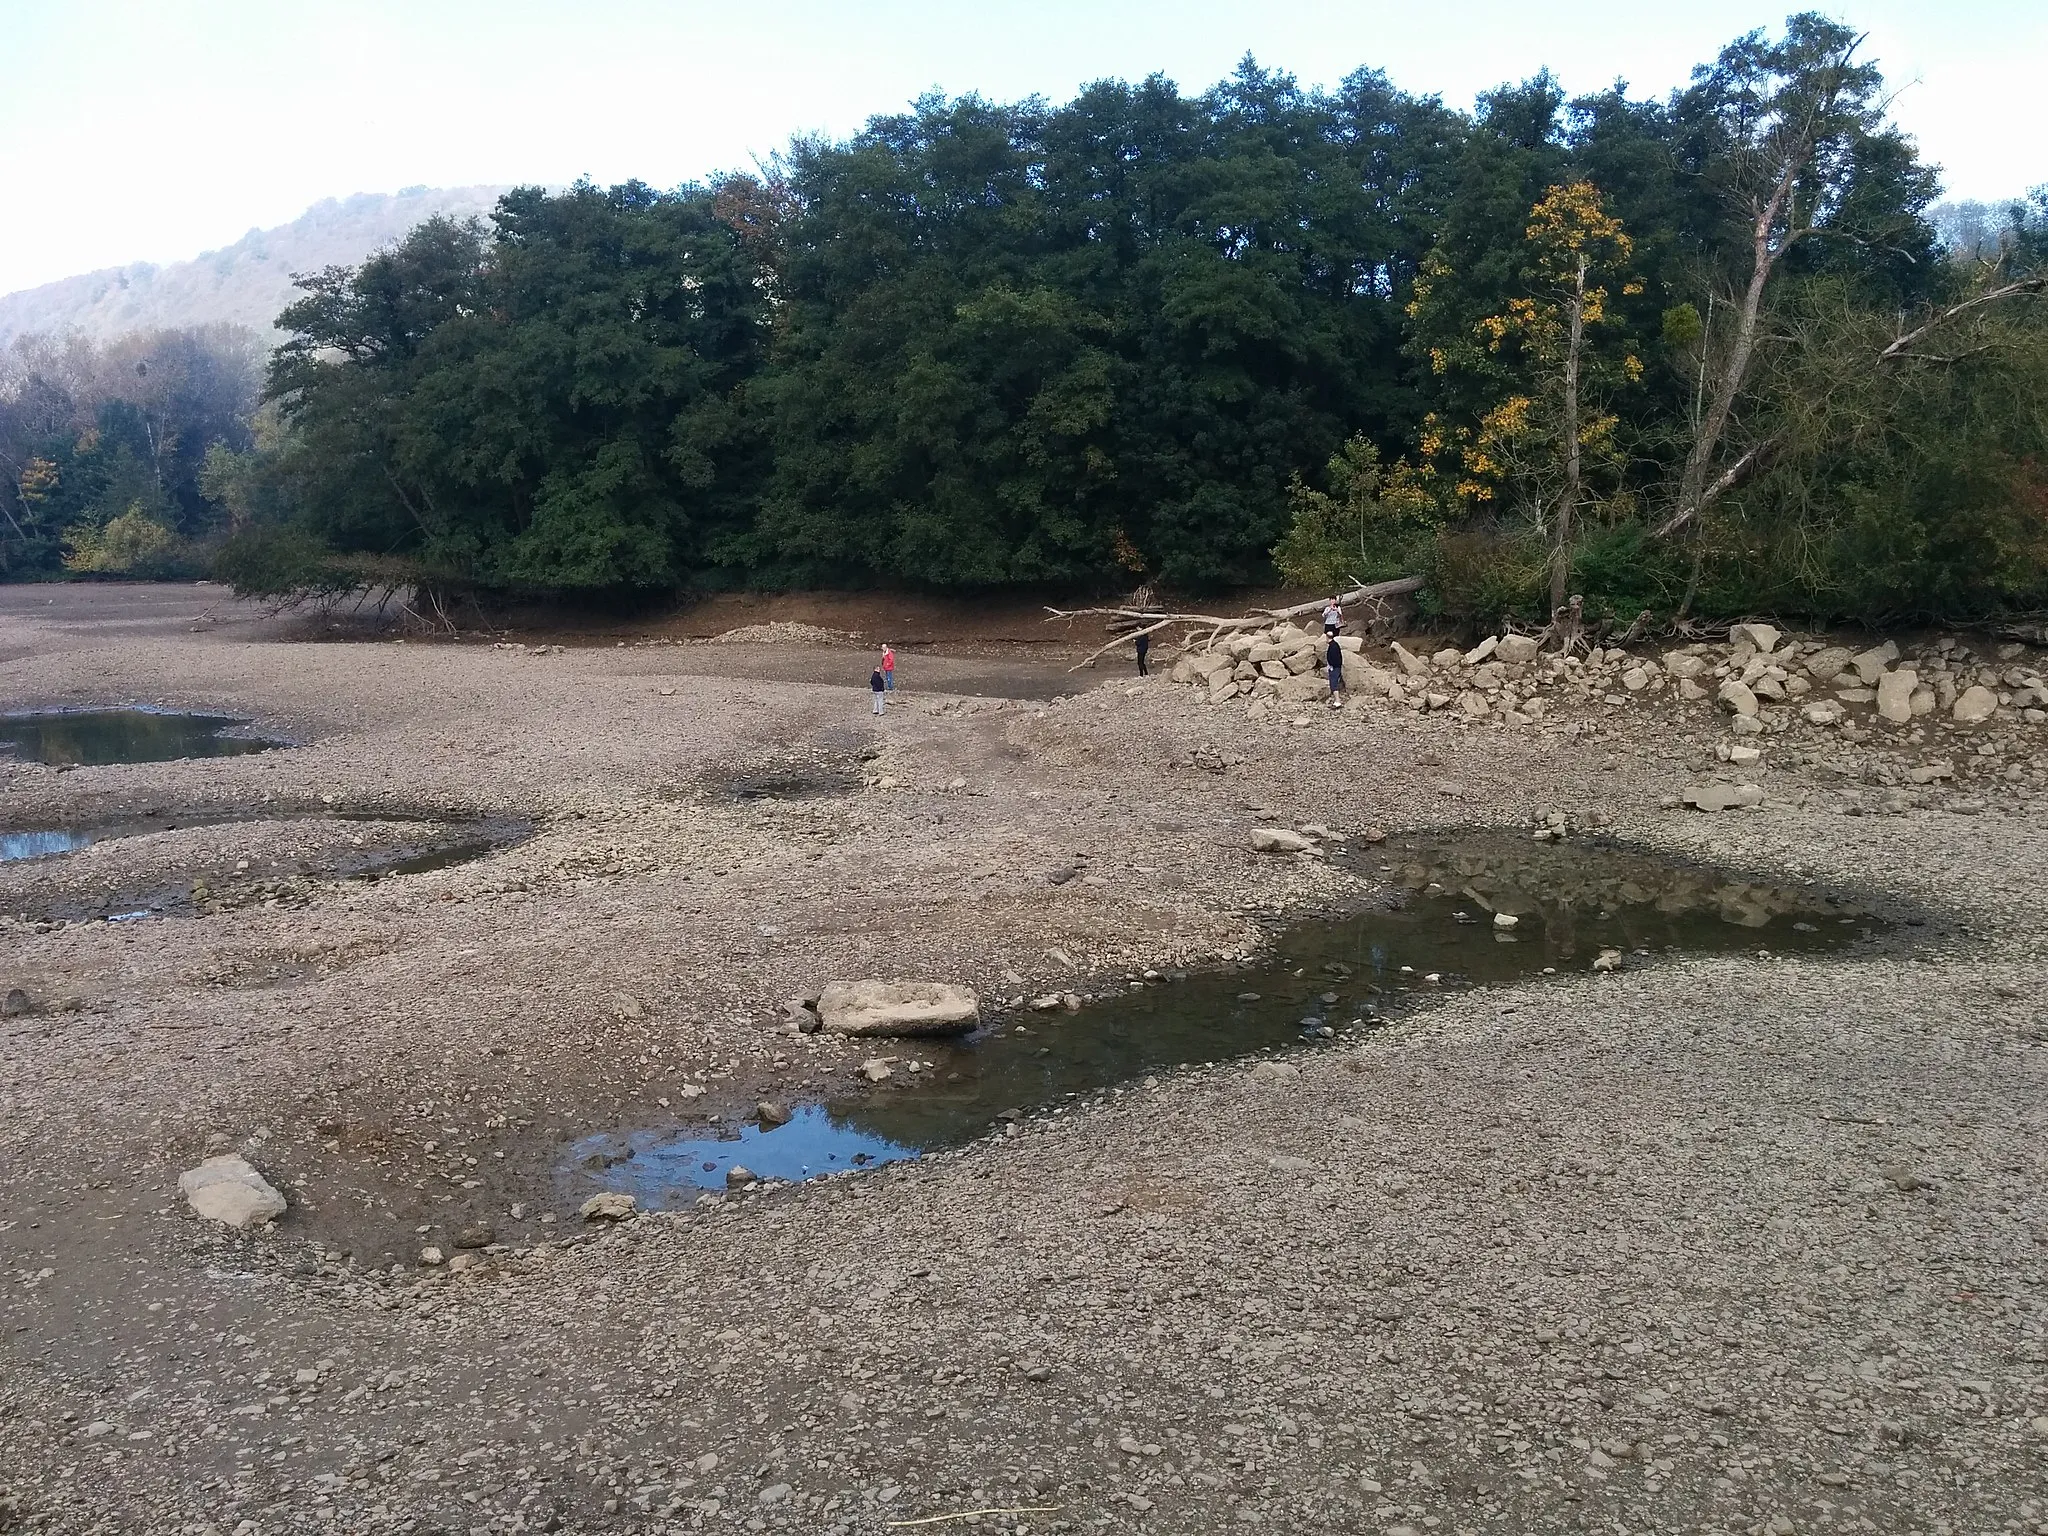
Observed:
{"x":1284,"y":665}
{"x":1761,"y":679}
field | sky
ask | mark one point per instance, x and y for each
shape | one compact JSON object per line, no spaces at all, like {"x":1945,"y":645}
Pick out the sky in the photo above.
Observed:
{"x":151,"y":130}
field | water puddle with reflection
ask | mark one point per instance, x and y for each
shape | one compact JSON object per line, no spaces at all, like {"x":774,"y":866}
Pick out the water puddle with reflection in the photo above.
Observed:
{"x":41,"y":845}
{"x":1320,"y":980}
{"x":93,"y":737}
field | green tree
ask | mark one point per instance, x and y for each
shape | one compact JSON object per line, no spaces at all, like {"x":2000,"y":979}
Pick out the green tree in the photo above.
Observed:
{"x":1370,"y":525}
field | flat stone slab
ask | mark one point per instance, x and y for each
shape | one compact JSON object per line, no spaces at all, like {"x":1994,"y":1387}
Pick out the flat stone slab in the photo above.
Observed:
{"x":898,"y":1008}
{"x":1722,"y":797}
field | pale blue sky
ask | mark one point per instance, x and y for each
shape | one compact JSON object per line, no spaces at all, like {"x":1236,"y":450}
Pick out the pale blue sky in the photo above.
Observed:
{"x":154,"y":129}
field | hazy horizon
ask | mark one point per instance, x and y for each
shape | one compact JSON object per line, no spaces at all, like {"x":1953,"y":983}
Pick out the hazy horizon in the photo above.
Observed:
{"x":470,"y":94}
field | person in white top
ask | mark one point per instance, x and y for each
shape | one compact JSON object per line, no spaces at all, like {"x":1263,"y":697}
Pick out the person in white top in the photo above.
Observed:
{"x":1333,"y":617}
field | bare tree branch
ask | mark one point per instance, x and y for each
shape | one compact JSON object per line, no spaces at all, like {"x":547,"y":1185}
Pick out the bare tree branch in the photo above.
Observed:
{"x":1758,"y":458}
{"x":1902,"y":348}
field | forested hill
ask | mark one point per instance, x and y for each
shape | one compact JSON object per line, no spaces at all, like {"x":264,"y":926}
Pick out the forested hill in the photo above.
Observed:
{"x":244,"y":284}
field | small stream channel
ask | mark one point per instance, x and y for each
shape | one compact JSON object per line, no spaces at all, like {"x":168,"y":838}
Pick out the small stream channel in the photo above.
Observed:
{"x":1319,"y":981}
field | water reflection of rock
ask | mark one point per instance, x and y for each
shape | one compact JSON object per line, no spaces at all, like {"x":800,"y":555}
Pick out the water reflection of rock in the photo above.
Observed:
{"x":1563,"y":883}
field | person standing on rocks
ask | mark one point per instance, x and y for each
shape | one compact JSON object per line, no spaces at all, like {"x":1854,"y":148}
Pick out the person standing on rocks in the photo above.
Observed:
{"x":875,"y":687}
{"x":1333,"y":618}
{"x":888,"y":669}
{"x":1144,"y":645}
{"x":1333,"y":659}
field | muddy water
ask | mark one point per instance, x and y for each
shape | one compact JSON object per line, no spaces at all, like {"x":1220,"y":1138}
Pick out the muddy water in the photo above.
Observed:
{"x":1435,"y":930}
{"x":90,"y":737}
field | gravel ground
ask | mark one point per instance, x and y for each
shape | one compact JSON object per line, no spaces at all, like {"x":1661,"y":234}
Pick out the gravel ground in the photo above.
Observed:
{"x":1713,"y":1245}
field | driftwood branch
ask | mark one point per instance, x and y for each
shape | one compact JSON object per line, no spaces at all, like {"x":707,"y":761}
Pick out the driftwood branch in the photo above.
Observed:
{"x":1147,"y":620}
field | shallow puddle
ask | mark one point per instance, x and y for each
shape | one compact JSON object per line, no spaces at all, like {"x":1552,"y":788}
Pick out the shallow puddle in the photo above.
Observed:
{"x":1319,"y":981}
{"x":40,"y":845}
{"x":442,"y":841}
{"x":91,"y":737}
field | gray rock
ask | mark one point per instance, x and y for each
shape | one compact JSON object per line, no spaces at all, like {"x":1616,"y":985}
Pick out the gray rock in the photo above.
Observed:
{"x":1871,"y":664}
{"x":1973,"y":704}
{"x":1279,"y":840}
{"x":770,"y":1113}
{"x":228,"y":1190}
{"x":1895,"y":695}
{"x":1763,"y":636}
{"x":1515,"y":649}
{"x":1409,"y":662}
{"x":740,"y":1174}
{"x":480,"y":1235}
{"x":609,"y":1206}
{"x":1736,"y":698}
{"x":898,"y":1008}
{"x":15,"y":1005}
{"x":1825,"y":666}
{"x":1722,"y":797}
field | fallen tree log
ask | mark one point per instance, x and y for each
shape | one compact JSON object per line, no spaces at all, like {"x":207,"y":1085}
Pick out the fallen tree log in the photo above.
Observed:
{"x":1144,"y":621}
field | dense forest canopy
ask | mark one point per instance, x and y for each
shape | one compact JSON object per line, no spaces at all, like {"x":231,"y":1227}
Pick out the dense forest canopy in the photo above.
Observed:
{"x":111,"y":454}
{"x":1708,"y":352}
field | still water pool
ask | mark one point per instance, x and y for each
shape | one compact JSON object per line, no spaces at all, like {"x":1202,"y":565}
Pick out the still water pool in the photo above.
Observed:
{"x":1320,"y":979}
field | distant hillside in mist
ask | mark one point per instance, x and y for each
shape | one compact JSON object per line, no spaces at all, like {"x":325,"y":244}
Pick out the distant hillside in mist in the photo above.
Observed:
{"x":246,"y":283}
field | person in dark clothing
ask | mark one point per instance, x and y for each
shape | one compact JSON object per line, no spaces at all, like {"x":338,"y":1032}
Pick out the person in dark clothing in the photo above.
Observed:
{"x":1144,"y":645}
{"x":875,"y":687}
{"x":1333,"y":658}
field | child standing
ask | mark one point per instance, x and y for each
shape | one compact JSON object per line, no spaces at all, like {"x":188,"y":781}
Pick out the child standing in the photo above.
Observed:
{"x":875,"y":686}
{"x":888,"y":668}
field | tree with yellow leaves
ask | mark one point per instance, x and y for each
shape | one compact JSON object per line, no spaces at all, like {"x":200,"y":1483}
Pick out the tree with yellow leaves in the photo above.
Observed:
{"x":1544,"y":438}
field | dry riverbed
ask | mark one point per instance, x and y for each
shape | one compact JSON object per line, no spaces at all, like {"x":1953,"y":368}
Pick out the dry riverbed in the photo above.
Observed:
{"x":1750,"y":1242}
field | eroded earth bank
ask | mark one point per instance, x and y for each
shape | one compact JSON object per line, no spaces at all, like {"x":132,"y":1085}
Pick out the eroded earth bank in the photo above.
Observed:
{"x":1749,"y":1238}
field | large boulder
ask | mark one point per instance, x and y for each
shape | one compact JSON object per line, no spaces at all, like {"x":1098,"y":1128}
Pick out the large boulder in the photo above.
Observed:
{"x":1737,"y":699}
{"x":1515,"y":649}
{"x":1304,"y":687}
{"x":1895,"y":695}
{"x":1973,"y":704}
{"x":1870,"y":665}
{"x":1825,"y":666}
{"x":1763,"y":637}
{"x":1409,"y":662}
{"x":898,"y":1008}
{"x":1360,"y":677}
{"x":228,"y":1190}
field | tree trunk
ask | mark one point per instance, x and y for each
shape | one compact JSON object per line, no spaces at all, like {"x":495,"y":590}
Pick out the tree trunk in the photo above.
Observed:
{"x":1568,"y":498}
